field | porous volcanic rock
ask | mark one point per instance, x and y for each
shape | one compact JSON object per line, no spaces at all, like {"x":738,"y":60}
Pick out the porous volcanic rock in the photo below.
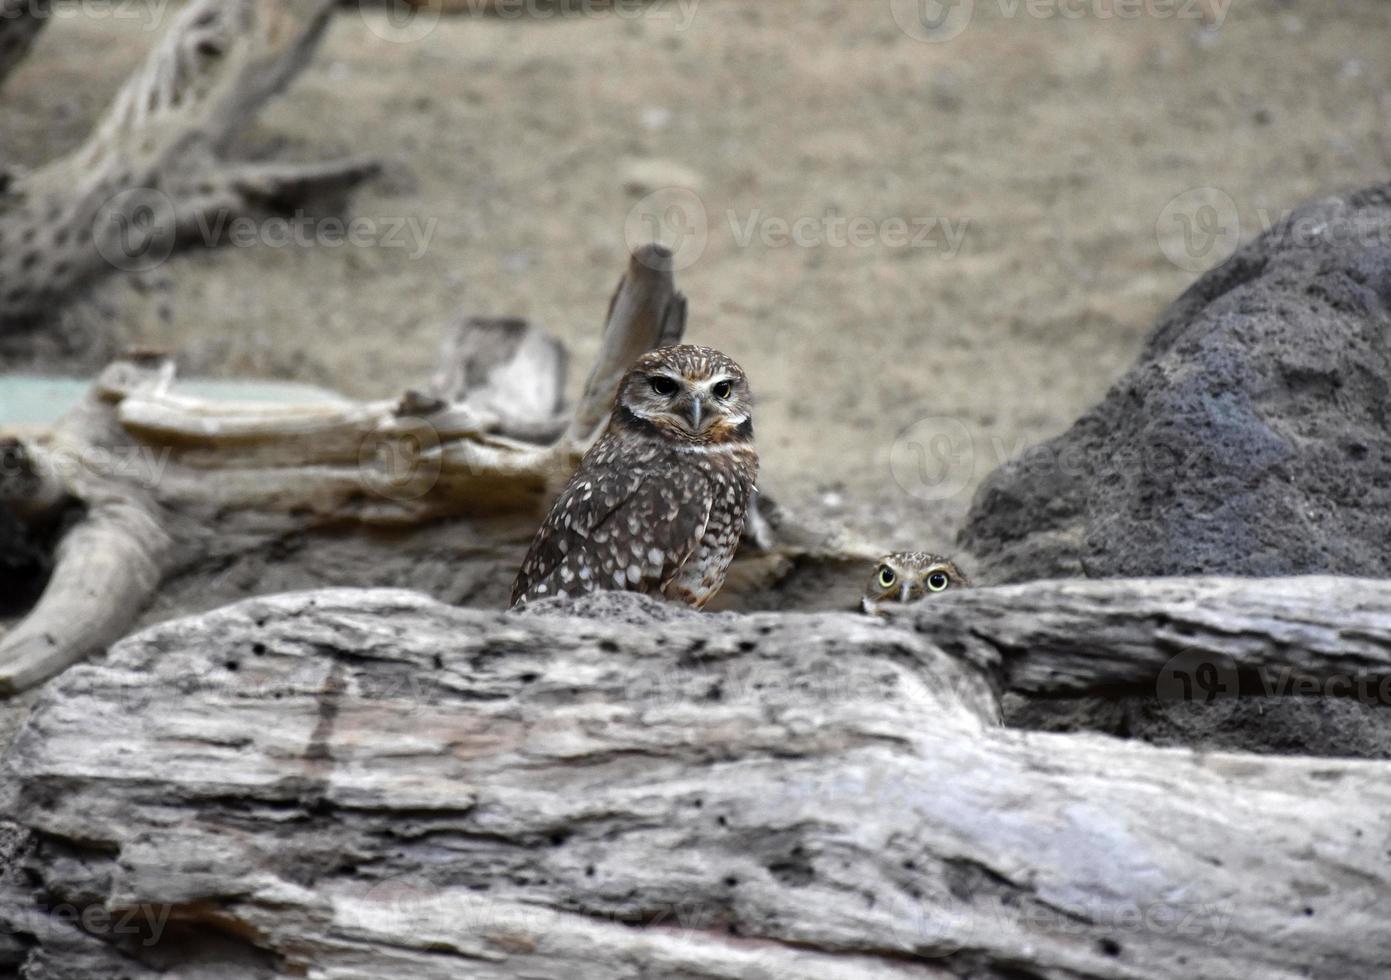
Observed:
{"x":1250,"y":438}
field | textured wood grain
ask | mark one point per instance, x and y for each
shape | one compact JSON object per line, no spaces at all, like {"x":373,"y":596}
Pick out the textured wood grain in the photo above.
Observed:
{"x":646,"y":311}
{"x":1312,"y":634}
{"x":368,"y":784}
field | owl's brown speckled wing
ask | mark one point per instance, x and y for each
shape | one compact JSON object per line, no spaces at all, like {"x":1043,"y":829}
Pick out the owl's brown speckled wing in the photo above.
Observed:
{"x":627,"y":527}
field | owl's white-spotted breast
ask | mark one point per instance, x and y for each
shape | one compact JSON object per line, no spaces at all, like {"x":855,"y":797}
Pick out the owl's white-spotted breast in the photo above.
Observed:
{"x":658,"y":504}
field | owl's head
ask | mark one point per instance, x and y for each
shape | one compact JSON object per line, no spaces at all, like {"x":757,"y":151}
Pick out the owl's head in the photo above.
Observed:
{"x":907,"y":576}
{"x":688,"y":393}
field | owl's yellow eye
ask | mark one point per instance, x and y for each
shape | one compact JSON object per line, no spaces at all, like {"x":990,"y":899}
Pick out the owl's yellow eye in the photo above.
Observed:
{"x":938,"y":581}
{"x":662,"y":385}
{"x":724,"y":389}
{"x":887,"y":577}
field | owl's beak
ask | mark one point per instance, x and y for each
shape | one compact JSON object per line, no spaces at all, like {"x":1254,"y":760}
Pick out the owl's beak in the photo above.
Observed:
{"x":907,"y":591}
{"x":695,"y":414}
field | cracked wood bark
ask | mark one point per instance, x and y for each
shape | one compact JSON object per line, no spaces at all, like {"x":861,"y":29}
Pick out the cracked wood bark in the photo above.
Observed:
{"x":647,"y":299}
{"x":357,"y":784}
{"x":167,"y":480}
{"x":154,"y":174}
{"x":1114,"y":636}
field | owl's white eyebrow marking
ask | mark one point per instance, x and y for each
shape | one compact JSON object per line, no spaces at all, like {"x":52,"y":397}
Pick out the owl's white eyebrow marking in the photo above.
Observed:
{"x":719,"y":447}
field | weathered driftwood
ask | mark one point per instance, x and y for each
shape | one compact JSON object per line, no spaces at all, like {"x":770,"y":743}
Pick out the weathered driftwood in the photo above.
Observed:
{"x":154,"y":173}
{"x":161,"y":475}
{"x":512,"y":372}
{"x":1311,"y":634}
{"x":646,"y":299}
{"x":365,"y":784}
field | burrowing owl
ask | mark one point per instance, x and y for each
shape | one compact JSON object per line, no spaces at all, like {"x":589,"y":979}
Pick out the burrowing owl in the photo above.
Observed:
{"x":907,"y":576}
{"x":658,"y":504}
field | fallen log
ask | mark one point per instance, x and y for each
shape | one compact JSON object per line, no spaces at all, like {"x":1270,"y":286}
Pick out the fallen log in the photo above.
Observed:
{"x":1324,"y":633}
{"x":354,"y":784}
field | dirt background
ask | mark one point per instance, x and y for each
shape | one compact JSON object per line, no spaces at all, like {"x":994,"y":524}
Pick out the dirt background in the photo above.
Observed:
{"x":517,"y":146}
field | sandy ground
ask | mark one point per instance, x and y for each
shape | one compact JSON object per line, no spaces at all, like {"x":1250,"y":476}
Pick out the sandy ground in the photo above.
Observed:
{"x":1033,"y":157}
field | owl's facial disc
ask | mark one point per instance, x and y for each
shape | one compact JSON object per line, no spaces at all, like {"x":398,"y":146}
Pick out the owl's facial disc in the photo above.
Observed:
{"x":694,"y":406}
{"x":670,"y":401}
{"x":689,"y":394}
{"x":907,"y":577}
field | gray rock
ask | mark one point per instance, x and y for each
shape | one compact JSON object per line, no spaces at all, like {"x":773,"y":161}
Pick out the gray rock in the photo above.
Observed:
{"x":1250,"y":438}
